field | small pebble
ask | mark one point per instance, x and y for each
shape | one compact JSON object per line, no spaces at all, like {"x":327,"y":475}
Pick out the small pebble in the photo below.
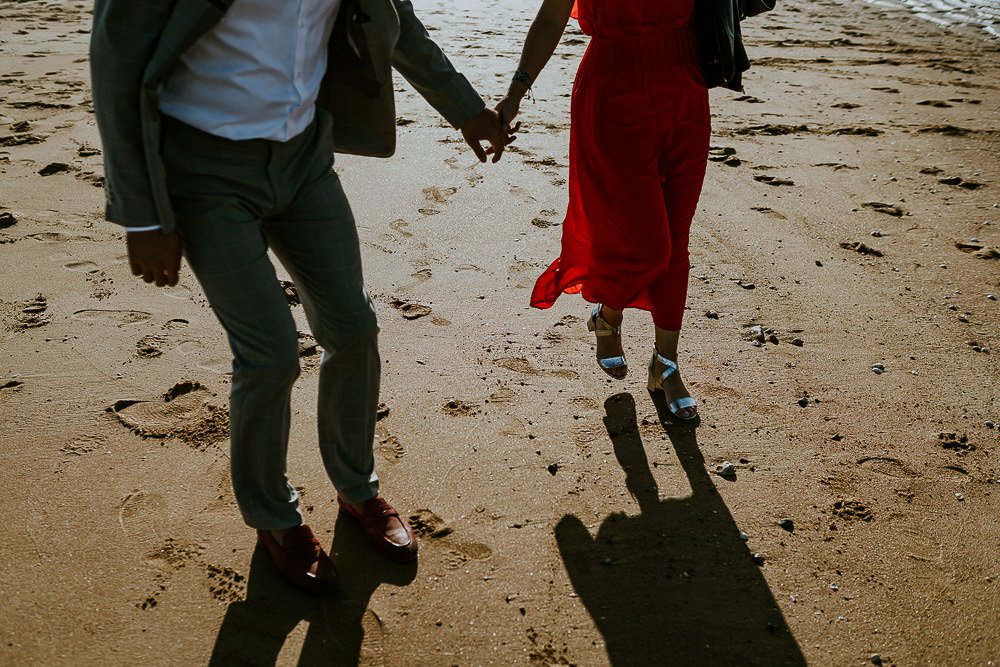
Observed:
{"x":878,"y":368}
{"x":804,"y":402}
{"x":877,"y":234}
{"x":876,"y":659}
{"x":553,"y":468}
{"x":819,"y":263}
{"x":834,"y":587}
{"x":798,"y":342}
{"x":711,"y":314}
{"x":787,"y":524}
{"x":773,"y":338}
{"x":989,"y":424}
{"x":759,"y":559}
{"x":725,"y":469}
{"x":991,"y":297}
{"x":744,"y":536}
{"x":959,"y":497}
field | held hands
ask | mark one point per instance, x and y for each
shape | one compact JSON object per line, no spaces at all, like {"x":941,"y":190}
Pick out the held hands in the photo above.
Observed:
{"x":487,"y":126}
{"x":154,"y":256}
{"x":507,"y":109}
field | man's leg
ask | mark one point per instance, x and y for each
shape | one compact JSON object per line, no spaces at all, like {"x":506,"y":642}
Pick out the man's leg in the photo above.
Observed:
{"x":317,"y":242}
{"x":219,"y":190}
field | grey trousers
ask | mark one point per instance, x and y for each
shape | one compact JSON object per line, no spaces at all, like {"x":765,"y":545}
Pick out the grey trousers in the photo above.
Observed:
{"x":234,"y":200}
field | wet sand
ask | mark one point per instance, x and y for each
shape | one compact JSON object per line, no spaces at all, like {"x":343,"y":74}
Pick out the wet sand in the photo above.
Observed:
{"x":849,"y":224}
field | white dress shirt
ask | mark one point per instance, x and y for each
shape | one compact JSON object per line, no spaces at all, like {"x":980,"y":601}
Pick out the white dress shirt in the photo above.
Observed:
{"x":256,"y":74}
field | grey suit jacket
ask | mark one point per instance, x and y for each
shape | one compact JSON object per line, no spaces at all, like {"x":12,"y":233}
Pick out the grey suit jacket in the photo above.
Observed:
{"x":135,"y":43}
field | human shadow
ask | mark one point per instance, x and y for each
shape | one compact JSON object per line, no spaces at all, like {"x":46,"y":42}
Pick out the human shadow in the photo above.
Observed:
{"x":675,"y":585}
{"x":341,"y":629}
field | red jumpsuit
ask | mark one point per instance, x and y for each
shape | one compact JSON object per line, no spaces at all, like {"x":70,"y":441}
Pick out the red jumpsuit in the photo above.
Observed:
{"x":639,"y":142}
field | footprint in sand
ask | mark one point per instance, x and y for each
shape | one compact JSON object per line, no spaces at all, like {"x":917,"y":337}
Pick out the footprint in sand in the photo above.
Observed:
{"x":422,"y":276}
{"x":178,"y":292}
{"x":522,"y":194}
{"x":184,"y":412}
{"x":119,"y":317}
{"x":81,"y":267}
{"x":522,"y":272}
{"x":225,"y":583}
{"x":32,"y":313}
{"x":410,"y":310}
{"x":522,"y":365}
{"x":400,"y":227}
{"x":142,"y":516}
{"x":458,"y":408}
{"x":390,"y":448}
{"x":769,"y":212}
{"x":150,"y":347}
{"x":434,"y":532}
{"x":955,"y":442}
{"x":852,"y":510}
{"x":886,"y":465}
{"x":436,"y":195}
{"x":85,"y":444}
{"x":59,"y":237}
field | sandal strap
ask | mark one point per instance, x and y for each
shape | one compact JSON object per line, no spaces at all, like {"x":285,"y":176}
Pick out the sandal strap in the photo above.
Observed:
{"x":681,"y":403}
{"x":669,"y":366}
{"x":607,"y":330}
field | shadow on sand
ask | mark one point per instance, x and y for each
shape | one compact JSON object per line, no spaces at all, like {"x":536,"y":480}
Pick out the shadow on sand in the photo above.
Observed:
{"x":341,"y":629}
{"x":674,"y":585}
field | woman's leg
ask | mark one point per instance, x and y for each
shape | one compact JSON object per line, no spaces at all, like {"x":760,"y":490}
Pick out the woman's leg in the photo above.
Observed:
{"x":611,"y":345}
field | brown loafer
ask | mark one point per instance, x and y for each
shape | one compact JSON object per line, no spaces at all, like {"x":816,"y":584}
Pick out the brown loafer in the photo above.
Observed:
{"x":391,"y":535}
{"x":301,"y":560}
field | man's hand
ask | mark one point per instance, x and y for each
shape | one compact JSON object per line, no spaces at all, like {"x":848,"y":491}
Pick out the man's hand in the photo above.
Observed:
{"x":154,"y":256}
{"x":486,"y":126}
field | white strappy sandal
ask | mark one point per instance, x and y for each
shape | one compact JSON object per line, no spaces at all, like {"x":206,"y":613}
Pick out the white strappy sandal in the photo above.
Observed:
{"x":616,"y":367}
{"x":656,"y":384}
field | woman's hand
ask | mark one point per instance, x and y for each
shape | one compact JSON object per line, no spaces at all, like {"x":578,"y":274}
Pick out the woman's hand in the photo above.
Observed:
{"x":507,"y":109}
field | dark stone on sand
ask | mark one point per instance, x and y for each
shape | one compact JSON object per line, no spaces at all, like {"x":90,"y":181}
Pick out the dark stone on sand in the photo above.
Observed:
{"x":553,"y":468}
{"x":804,"y":402}
{"x":881,"y":207}
{"x":7,"y":219}
{"x":758,"y":558}
{"x":787,"y":524}
{"x":861,"y":248}
{"x":53,"y":168}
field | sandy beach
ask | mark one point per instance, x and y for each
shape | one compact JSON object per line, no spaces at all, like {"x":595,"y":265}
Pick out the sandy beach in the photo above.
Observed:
{"x":842,"y":337}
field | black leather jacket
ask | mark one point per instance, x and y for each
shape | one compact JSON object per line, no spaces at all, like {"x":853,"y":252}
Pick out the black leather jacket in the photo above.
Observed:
{"x":717,"y":24}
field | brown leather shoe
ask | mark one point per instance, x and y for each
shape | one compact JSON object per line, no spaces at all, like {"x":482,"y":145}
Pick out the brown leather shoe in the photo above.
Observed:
{"x":301,"y":560}
{"x":391,"y":535}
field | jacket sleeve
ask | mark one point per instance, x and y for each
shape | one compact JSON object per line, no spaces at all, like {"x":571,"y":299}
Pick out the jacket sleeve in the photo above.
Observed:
{"x":424,"y":65}
{"x":124,"y":35}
